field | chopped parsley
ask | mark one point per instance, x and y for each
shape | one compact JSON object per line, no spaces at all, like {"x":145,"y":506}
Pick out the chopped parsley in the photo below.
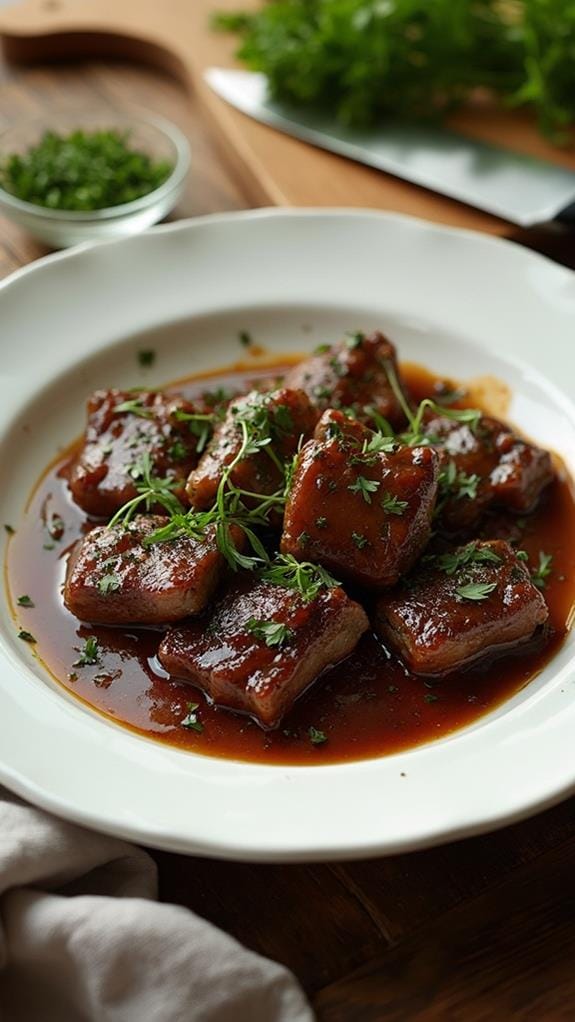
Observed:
{"x":26,"y":636}
{"x":146,"y":357}
{"x":89,"y":653}
{"x":302,"y":576}
{"x":393,"y":505}
{"x":476,"y":590}
{"x":541,"y":573}
{"x":321,"y":522}
{"x":354,"y":338}
{"x":25,"y":601}
{"x":273,"y":633}
{"x":191,"y":721}
{"x":365,"y":487}
{"x":109,"y":583}
{"x":359,"y":540}
{"x":178,"y":451}
{"x":472,"y":553}
{"x":134,"y":406}
{"x":316,"y":736}
{"x":245,"y":338}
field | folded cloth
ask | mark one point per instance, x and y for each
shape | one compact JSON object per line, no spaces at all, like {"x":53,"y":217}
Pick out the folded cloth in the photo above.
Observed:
{"x":83,"y":940}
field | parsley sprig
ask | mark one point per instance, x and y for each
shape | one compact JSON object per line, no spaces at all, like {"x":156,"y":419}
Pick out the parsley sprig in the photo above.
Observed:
{"x":273,"y":633}
{"x":453,"y":562}
{"x":308,"y":579}
{"x":541,"y":573}
{"x":151,"y":490}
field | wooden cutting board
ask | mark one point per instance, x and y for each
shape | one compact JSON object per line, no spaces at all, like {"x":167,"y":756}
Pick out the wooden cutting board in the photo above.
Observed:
{"x":273,"y":168}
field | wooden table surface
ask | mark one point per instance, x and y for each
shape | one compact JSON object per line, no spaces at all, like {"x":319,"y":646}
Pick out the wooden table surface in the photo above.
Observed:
{"x":478,"y":929}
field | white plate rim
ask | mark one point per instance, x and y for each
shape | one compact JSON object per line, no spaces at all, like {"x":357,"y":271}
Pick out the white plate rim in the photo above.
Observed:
{"x":307,"y":843}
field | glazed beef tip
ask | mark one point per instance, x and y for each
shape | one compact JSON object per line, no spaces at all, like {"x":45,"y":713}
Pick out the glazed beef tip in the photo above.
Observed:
{"x":483,"y":467}
{"x":115,"y":440}
{"x":114,"y":578}
{"x":459,"y":607}
{"x":362,"y":512}
{"x":263,"y":646}
{"x":284,"y":415}
{"x":352,"y":374}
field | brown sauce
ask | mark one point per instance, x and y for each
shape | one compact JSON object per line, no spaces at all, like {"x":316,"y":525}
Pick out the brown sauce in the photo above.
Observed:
{"x":367,"y":706}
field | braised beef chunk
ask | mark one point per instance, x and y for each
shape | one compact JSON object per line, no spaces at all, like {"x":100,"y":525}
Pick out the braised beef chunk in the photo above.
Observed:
{"x":461,"y":606}
{"x":122,"y":427}
{"x":113,"y":577}
{"x":485,"y":466}
{"x":263,"y":645}
{"x":354,"y":373}
{"x":360,"y":504}
{"x":275,"y":422}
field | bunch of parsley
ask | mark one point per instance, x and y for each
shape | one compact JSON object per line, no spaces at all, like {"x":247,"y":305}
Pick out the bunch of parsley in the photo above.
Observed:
{"x":367,"y":60}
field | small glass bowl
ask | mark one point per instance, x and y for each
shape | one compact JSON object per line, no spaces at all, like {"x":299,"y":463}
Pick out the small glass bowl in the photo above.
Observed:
{"x":60,"y":228}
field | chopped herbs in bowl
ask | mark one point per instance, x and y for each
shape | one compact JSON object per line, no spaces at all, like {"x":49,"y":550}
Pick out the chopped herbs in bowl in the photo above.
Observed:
{"x":82,"y":171}
{"x":68,"y":182}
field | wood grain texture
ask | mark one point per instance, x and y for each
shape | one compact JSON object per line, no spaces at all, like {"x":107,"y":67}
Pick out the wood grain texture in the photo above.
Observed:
{"x":478,"y":930}
{"x":273,"y":168}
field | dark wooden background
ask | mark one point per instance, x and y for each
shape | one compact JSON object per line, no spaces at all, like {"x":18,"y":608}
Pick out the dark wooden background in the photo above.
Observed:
{"x":482,"y":929}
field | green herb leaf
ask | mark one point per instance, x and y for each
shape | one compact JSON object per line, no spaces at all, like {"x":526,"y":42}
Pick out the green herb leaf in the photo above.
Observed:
{"x":9,"y":529}
{"x":245,"y":338}
{"x":191,"y":721}
{"x":26,"y":636}
{"x":359,"y":540}
{"x":393,"y":505}
{"x":453,"y":562}
{"x":365,"y":487}
{"x":109,"y":583}
{"x":541,"y":573}
{"x":25,"y":601}
{"x":133,"y":406}
{"x":146,"y":357}
{"x":89,"y":653}
{"x":302,"y":576}
{"x":273,"y":633}
{"x":316,"y":737}
{"x":476,"y":590}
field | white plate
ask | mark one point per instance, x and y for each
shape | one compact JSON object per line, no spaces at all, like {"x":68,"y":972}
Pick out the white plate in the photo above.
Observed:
{"x":460,"y":302}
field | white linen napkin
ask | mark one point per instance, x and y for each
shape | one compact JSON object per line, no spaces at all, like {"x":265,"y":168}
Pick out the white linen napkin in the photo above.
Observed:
{"x":83,"y":940}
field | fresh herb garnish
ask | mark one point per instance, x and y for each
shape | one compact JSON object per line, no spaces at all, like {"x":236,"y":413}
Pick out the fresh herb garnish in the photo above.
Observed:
{"x":359,"y":540}
{"x":25,"y":601}
{"x":365,"y":487}
{"x":178,"y":451}
{"x":26,"y":636}
{"x":191,"y":721}
{"x":472,"y":553}
{"x":393,"y":505}
{"x":9,"y":529}
{"x":457,"y":484}
{"x":82,"y":171}
{"x":200,"y":424}
{"x":146,"y":357}
{"x":150,"y":489}
{"x":89,"y":653}
{"x":316,"y":737}
{"x":541,"y":573}
{"x":476,"y":590}
{"x":273,"y":633}
{"x":354,"y":339}
{"x":245,"y":338}
{"x":365,"y":63}
{"x":134,"y":406}
{"x":321,"y":522}
{"x":303,"y":576}
{"x":109,"y":583}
